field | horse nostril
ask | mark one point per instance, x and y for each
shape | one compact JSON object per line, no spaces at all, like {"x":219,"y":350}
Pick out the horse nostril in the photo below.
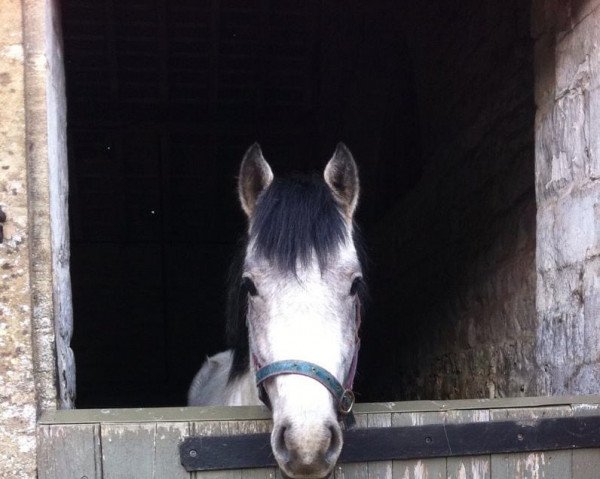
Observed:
{"x":280,"y":447}
{"x":335,"y":443}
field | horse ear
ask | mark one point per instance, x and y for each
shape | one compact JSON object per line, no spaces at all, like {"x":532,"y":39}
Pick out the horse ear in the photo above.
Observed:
{"x":341,"y":175}
{"x":255,"y":176}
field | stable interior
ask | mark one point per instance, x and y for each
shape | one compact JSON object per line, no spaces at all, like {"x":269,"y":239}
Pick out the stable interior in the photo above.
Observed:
{"x":434,"y":99}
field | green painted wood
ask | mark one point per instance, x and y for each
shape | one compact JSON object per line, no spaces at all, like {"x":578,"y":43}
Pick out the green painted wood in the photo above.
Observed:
{"x":546,"y":465}
{"x":585,"y":409}
{"x":249,"y":427}
{"x":127,"y":451}
{"x":380,"y":469}
{"x":534,"y":465}
{"x":166,"y":414}
{"x":468,"y":467}
{"x":65,"y":451}
{"x":419,"y":469}
{"x":355,"y":470}
{"x":109,"y":449}
{"x":222,"y":413}
{"x":267,"y":426}
{"x":586,"y":462}
{"x":167,"y":463}
{"x":216,"y":428}
{"x":208,"y":428}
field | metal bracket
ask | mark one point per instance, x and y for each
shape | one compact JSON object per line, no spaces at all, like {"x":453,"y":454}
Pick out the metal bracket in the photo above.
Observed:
{"x":395,"y":443}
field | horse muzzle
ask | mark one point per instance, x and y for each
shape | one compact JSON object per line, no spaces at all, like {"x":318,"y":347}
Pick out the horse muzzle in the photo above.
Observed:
{"x":308,"y":445}
{"x":307,"y":450}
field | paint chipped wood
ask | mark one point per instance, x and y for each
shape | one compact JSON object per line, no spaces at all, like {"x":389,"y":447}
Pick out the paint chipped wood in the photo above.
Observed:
{"x":586,"y":462}
{"x":128,"y":450}
{"x":417,"y":468}
{"x":215,"y":428}
{"x":249,"y":427}
{"x":238,"y":413}
{"x":354,"y":470}
{"x":167,"y":463}
{"x":534,"y":465}
{"x":468,"y":467}
{"x":69,"y":451}
{"x":112,"y":449}
{"x":382,"y":469}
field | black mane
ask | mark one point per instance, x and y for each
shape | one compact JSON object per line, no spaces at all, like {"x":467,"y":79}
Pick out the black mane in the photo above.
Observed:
{"x":294,"y":217}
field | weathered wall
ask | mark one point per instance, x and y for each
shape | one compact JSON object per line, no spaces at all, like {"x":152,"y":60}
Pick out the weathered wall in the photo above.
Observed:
{"x":567,"y":37}
{"x":58,"y":197}
{"x":46,"y":150}
{"x":454,"y":259}
{"x":31,"y":151}
{"x":17,"y":388}
{"x":45,"y":127}
{"x":47,"y":191}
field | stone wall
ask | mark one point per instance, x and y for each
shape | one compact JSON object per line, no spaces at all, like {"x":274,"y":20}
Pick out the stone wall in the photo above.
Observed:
{"x":17,"y":388}
{"x":567,"y":35}
{"x":454,"y":260}
{"x":31,"y":149}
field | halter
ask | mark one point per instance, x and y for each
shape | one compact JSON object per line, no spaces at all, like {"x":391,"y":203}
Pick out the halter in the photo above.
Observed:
{"x":342,"y":394}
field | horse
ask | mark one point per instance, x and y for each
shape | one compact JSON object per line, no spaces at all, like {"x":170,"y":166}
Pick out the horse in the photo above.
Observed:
{"x":293,"y":312}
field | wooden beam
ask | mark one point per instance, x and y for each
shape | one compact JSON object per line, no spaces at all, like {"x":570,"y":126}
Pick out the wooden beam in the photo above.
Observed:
{"x":225,"y":413}
{"x":380,"y":445}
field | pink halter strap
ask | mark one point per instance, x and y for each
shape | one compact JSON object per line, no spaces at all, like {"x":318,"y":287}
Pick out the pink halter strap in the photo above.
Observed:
{"x":349,"y":382}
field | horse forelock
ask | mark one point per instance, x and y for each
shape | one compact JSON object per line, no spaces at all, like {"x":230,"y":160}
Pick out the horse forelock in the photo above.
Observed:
{"x":297,"y":218}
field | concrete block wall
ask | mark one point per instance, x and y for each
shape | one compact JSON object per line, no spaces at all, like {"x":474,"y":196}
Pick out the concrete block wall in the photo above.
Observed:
{"x":567,"y":36}
{"x":456,"y":256}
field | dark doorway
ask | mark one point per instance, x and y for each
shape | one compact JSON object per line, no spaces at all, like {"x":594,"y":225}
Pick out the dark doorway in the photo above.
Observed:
{"x":163,"y":99}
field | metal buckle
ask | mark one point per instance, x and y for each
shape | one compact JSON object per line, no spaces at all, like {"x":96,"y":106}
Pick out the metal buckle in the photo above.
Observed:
{"x":346,"y":402}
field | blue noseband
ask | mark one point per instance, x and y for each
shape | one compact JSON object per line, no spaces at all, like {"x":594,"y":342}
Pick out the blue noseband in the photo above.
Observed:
{"x":344,"y":397}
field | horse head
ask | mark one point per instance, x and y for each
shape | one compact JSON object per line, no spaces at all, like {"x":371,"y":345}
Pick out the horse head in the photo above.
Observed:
{"x":300,"y":286}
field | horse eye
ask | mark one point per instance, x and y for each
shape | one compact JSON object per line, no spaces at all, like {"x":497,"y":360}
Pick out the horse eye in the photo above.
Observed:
{"x":356,"y":285}
{"x":249,"y":286}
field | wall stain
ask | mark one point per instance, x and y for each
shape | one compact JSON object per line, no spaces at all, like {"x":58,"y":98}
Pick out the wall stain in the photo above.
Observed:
{"x":4,"y":78}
